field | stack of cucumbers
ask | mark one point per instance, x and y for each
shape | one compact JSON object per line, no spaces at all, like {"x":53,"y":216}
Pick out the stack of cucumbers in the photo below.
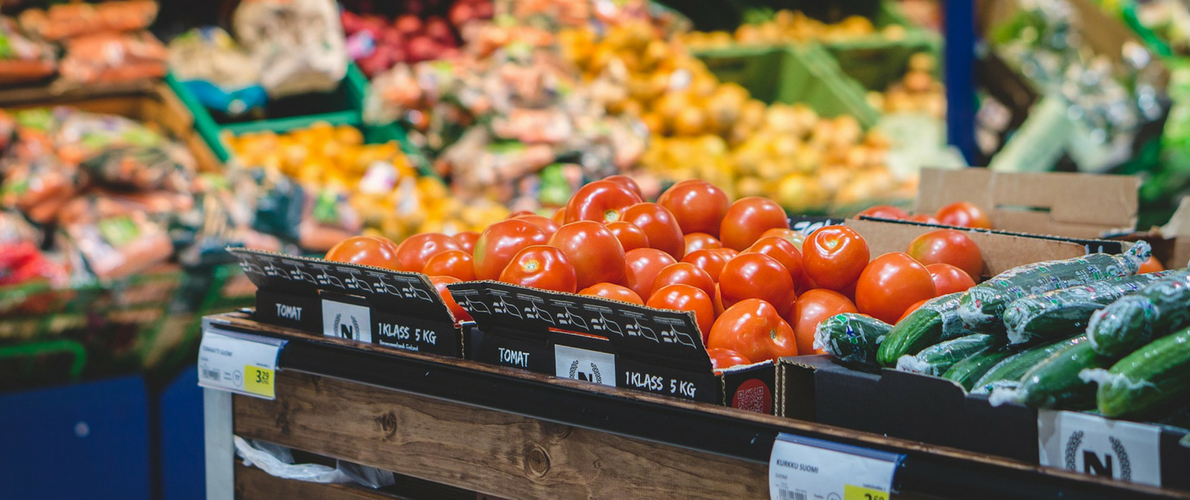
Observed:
{"x":1080,"y":334}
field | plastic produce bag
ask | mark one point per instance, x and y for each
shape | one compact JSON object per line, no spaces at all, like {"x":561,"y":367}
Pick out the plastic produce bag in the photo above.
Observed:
{"x":21,"y":58}
{"x":110,"y":57}
{"x":298,"y":44}
{"x":278,"y":462}
{"x":76,"y":18}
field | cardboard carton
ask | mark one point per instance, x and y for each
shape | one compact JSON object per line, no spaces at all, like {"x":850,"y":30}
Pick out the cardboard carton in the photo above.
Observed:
{"x":605,"y":342}
{"x":938,"y":412}
{"x":1052,"y":203}
{"x":367,"y":304}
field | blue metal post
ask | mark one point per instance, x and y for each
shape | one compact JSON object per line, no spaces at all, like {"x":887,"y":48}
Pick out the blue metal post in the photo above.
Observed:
{"x":960,"y":84}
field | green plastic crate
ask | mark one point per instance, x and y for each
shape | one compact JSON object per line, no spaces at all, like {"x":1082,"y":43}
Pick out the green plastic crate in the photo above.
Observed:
{"x":343,"y":106}
{"x":875,"y":61}
{"x":804,"y":73}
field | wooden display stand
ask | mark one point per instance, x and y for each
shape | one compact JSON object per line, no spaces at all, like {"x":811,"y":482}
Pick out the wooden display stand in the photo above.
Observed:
{"x":513,"y":434}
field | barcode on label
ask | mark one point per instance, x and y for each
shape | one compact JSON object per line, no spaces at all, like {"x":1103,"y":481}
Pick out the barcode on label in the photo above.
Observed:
{"x":792,"y":495}
{"x":210,"y":374}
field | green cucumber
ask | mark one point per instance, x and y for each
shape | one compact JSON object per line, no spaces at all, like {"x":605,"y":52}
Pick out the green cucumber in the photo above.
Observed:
{"x":938,"y":358}
{"x":968,"y":371}
{"x":982,"y":305}
{"x":1065,"y":312}
{"x":1055,"y":382}
{"x":1010,"y":371}
{"x":1153,"y":377}
{"x":935,"y":321}
{"x":1132,"y":321}
{"x":851,"y":338}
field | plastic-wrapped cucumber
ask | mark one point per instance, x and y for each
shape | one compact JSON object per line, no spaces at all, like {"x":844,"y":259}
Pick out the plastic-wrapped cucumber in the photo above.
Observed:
{"x":938,"y":358}
{"x":935,"y":321}
{"x":851,"y":338}
{"x":1132,"y":321}
{"x":1152,"y":378}
{"x":1055,"y":382}
{"x":982,"y":305}
{"x":1010,"y":371}
{"x":1065,"y":312}
{"x":968,"y":371}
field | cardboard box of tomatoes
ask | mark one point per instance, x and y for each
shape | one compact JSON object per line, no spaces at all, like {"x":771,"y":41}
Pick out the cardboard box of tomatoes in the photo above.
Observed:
{"x":607,"y":342}
{"x":398,"y":310}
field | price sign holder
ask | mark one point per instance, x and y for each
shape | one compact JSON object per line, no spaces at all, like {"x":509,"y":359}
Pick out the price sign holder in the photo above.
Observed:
{"x":803,"y":468}
{"x":238,"y":362}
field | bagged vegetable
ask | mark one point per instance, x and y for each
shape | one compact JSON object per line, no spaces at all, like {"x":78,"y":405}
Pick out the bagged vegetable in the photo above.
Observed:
{"x":1063,"y":313}
{"x":297,"y":44}
{"x":1134,"y":320}
{"x":111,"y":57}
{"x":982,"y":306}
{"x":216,"y":70}
{"x":75,"y":19}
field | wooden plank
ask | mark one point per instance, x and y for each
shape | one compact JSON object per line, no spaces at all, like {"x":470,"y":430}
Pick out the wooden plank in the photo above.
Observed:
{"x":254,"y":484}
{"x":482,"y":450}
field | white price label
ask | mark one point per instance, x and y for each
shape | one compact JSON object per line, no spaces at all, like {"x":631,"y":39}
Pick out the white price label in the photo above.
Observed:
{"x":1092,"y":444}
{"x":237,"y":362}
{"x":583,"y":364}
{"x":811,"y":469}
{"x":346,"y":321}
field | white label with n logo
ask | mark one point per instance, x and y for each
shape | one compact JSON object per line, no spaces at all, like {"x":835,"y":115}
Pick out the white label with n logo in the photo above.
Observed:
{"x":584,"y":364}
{"x":346,"y":321}
{"x":1091,"y":444}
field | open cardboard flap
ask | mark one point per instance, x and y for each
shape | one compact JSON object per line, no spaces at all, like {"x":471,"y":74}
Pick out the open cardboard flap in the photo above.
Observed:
{"x":1053,"y":203}
{"x":1001,"y":250}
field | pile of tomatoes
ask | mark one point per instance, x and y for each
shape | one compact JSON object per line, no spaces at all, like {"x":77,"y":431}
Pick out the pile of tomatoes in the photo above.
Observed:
{"x":757,"y":289}
{"x":958,"y":214}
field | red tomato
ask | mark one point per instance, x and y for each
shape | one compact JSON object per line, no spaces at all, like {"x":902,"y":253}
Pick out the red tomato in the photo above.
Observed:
{"x":890,"y":284}
{"x":541,"y":266}
{"x":785,"y":253}
{"x":614,"y":292}
{"x":718,"y":300}
{"x":687,"y":274}
{"x":949,"y":279}
{"x":559,"y":216}
{"x":1151,"y":266}
{"x":747,"y":219}
{"x":413,"y":253}
{"x":545,"y":223}
{"x":440,"y":283}
{"x":659,"y":224}
{"x":727,"y":253}
{"x":643,"y":266}
{"x":466,"y":240}
{"x":811,"y":308}
{"x":457,"y":264}
{"x":786,"y":234}
{"x":710,"y":262}
{"x":630,"y":236}
{"x":593,"y":250}
{"x":926,"y":218}
{"x":698,"y":206}
{"x":600,"y":201}
{"x":500,"y":242}
{"x":722,"y":359}
{"x":964,"y":214}
{"x":755,"y":330}
{"x":686,"y":298}
{"x":948,"y":246}
{"x":756,"y":276}
{"x":912,"y":308}
{"x":884,"y":212}
{"x":834,"y":257}
{"x":699,"y":241}
{"x":627,"y":182}
{"x":365,"y":250}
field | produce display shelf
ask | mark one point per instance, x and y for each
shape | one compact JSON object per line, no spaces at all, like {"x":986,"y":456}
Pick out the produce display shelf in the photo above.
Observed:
{"x":514,"y":434}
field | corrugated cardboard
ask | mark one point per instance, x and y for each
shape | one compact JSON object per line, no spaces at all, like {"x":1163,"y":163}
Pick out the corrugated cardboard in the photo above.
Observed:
{"x":1001,"y":250}
{"x":1055,"y":203}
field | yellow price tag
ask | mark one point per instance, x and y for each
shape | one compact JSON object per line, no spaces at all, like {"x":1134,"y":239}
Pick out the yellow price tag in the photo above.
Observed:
{"x":860,"y":493}
{"x":259,"y":381}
